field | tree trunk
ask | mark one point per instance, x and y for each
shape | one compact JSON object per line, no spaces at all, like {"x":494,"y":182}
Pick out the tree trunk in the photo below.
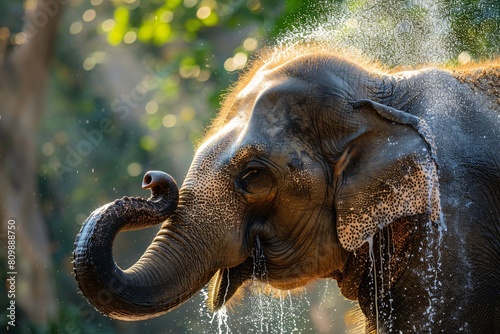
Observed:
{"x":24,"y":71}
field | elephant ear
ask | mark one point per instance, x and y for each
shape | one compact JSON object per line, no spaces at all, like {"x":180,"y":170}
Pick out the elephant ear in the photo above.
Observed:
{"x":386,"y":174}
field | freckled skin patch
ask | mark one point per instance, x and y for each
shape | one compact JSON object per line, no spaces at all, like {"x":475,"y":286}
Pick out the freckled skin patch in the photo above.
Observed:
{"x":407,"y":189}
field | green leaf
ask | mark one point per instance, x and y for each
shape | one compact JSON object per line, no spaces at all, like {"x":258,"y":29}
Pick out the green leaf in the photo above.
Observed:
{"x":146,"y":31}
{"x":193,"y":25}
{"x":162,"y":33}
{"x":122,"y":15}
{"x":148,"y":143}
{"x":212,"y":20}
{"x":121,"y":18}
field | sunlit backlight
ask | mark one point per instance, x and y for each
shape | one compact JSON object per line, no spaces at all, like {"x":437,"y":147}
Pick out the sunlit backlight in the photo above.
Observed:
{"x":352,"y":23}
{"x":134,"y":169}
{"x":96,"y":2}
{"x":151,"y":107}
{"x":166,"y":16}
{"x":229,"y":65}
{"x":89,"y":15}
{"x":187,"y":72}
{"x":187,"y":114}
{"x":254,"y":5}
{"x":203,"y":12}
{"x":93,"y":59}
{"x":148,"y":143}
{"x":203,"y":76}
{"x":464,"y":58}
{"x":169,"y":121}
{"x":48,"y":149}
{"x":89,"y":63}
{"x":108,"y":25}
{"x":250,"y":44}
{"x":190,"y":3}
{"x":237,"y":62}
{"x":129,"y":37}
{"x":20,"y":38}
{"x":240,"y":60}
{"x":30,"y":5}
{"x":75,"y":28}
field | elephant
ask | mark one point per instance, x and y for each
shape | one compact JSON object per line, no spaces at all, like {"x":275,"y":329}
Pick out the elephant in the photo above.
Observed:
{"x":387,"y":182}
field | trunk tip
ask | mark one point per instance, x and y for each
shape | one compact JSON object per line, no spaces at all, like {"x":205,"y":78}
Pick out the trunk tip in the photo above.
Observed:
{"x":154,"y":178}
{"x":161,"y":184}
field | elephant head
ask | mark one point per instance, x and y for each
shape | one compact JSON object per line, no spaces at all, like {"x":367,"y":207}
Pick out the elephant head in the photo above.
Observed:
{"x":307,"y":159}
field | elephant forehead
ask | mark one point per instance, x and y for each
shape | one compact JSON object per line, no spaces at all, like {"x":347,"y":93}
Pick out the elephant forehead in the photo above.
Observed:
{"x":216,"y":144}
{"x":276,"y":113}
{"x":261,"y":81}
{"x":208,"y":181}
{"x":268,"y":88}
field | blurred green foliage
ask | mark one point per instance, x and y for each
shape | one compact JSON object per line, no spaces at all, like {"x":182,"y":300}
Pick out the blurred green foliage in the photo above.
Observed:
{"x":475,"y":26}
{"x":408,"y":33}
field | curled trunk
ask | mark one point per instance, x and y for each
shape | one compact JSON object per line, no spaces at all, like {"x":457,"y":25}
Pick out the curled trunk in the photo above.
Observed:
{"x":159,"y":281}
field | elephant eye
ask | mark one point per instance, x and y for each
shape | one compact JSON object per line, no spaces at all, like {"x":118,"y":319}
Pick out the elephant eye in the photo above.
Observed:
{"x":249,"y":173}
{"x":255,"y":182}
{"x":252,"y":179}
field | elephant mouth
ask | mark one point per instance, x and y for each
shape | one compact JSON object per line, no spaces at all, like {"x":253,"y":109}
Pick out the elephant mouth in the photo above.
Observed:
{"x":227,"y":281}
{"x":336,"y":275}
{"x":349,"y":279}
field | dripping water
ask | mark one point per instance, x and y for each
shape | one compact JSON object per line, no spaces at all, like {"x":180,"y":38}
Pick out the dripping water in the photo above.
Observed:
{"x":373,"y":272}
{"x":222,"y":321}
{"x":221,"y":315}
{"x":259,"y":262}
{"x":260,"y":275}
{"x":267,"y":311}
{"x":271,"y":311}
{"x":380,"y":266}
{"x":390,"y":234}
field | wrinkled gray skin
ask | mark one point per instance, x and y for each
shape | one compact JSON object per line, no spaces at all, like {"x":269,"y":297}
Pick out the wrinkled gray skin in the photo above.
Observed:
{"x":319,"y":159}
